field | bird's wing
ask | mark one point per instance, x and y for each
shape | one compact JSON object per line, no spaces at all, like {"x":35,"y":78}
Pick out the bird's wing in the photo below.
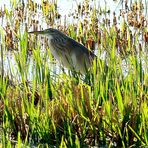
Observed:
{"x":81,"y":49}
{"x":68,"y":45}
{"x":72,"y":51}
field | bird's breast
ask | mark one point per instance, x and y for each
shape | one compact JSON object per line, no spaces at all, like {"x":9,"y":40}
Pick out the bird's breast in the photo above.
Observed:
{"x":58,"y":54}
{"x":53,"y":51}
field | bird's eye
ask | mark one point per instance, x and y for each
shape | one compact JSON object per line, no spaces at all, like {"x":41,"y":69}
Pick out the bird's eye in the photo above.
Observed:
{"x":51,"y":30}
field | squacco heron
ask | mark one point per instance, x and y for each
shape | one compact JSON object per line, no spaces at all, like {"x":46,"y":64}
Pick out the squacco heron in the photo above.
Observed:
{"x":66,"y":50}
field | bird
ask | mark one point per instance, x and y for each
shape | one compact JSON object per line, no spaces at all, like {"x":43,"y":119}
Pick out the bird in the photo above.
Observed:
{"x":70,"y":53}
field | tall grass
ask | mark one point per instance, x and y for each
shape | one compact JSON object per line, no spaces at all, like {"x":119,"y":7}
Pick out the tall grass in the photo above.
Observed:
{"x":66,"y":112}
{"x":105,"y":107}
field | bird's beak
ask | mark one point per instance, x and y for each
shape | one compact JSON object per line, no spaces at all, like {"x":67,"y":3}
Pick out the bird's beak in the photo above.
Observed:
{"x":37,"y":32}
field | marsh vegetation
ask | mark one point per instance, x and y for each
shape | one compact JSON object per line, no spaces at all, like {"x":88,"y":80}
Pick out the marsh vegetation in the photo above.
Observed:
{"x":43,"y":104}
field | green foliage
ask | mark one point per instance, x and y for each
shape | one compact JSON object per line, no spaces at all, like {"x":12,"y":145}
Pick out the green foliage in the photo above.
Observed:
{"x":105,"y":107}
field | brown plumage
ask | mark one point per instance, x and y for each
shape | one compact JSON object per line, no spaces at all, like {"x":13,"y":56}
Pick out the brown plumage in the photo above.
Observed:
{"x":67,"y":51}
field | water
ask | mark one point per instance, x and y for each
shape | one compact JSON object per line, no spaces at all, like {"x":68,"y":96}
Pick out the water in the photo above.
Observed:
{"x":67,"y":9}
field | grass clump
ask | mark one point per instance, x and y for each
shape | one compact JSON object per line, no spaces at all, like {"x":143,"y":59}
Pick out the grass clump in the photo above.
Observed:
{"x":68,"y":112}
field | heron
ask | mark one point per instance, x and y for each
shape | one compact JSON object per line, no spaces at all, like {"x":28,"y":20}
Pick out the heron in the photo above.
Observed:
{"x":67,"y":51}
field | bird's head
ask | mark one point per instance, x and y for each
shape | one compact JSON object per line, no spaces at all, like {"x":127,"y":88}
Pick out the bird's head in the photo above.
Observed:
{"x":46,"y":32}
